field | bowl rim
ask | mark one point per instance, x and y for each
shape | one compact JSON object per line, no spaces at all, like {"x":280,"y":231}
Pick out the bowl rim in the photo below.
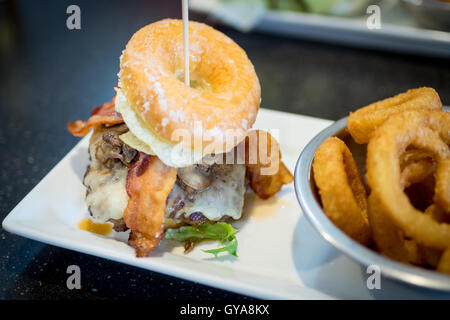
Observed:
{"x":312,"y":210}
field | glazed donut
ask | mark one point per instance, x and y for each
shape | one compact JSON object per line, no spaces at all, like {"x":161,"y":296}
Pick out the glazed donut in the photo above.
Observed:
{"x":224,"y":93}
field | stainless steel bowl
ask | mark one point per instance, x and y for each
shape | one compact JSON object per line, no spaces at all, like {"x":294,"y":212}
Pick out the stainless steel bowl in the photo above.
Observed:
{"x":430,"y":13}
{"x":308,"y":199}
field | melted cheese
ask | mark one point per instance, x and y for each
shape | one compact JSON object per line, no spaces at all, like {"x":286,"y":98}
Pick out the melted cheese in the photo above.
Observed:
{"x":224,"y":197}
{"x":106,"y":196}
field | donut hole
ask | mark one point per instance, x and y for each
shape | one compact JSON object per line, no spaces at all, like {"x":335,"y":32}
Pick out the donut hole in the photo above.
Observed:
{"x":195,"y":81}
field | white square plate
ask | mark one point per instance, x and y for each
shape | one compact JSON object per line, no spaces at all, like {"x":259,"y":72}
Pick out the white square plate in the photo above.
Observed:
{"x":280,"y":255}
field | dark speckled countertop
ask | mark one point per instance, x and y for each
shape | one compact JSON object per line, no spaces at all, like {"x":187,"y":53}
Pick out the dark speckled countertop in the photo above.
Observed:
{"x":49,"y":75}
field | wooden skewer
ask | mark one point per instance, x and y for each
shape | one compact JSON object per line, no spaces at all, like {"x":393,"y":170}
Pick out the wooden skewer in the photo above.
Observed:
{"x":185,"y":10}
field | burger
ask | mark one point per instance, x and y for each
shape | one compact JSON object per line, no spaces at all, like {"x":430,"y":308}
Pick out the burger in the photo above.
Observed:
{"x":175,"y":161}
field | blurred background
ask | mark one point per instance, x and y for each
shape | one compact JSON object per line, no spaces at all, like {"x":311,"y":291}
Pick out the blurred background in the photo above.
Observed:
{"x":321,"y":58}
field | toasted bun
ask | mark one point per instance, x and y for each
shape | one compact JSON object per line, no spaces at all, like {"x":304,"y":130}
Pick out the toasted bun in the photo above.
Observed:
{"x":223,"y":98}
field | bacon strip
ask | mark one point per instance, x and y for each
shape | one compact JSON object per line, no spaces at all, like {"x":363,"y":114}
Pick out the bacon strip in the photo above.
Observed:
{"x":105,"y":114}
{"x":149,"y":182}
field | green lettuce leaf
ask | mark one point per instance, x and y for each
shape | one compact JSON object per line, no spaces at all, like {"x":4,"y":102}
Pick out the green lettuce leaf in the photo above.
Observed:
{"x":214,"y":231}
{"x":230,"y":247}
{"x":221,"y":231}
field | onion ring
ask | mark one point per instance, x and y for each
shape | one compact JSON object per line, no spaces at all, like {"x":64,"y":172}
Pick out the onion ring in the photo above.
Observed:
{"x":343,"y":194}
{"x":362,"y":123}
{"x":432,"y":256}
{"x":429,"y":256}
{"x":437,"y":213}
{"x":442,"y":189}
{"x":429,"y":130}
{"x":388,"y":238}
{"x":444,"y":262}
{"x":265,"y":171}
{"x":416,"y":165}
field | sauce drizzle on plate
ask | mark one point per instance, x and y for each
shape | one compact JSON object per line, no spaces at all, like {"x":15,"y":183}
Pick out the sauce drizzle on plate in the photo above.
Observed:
{"x":98,"y":228}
